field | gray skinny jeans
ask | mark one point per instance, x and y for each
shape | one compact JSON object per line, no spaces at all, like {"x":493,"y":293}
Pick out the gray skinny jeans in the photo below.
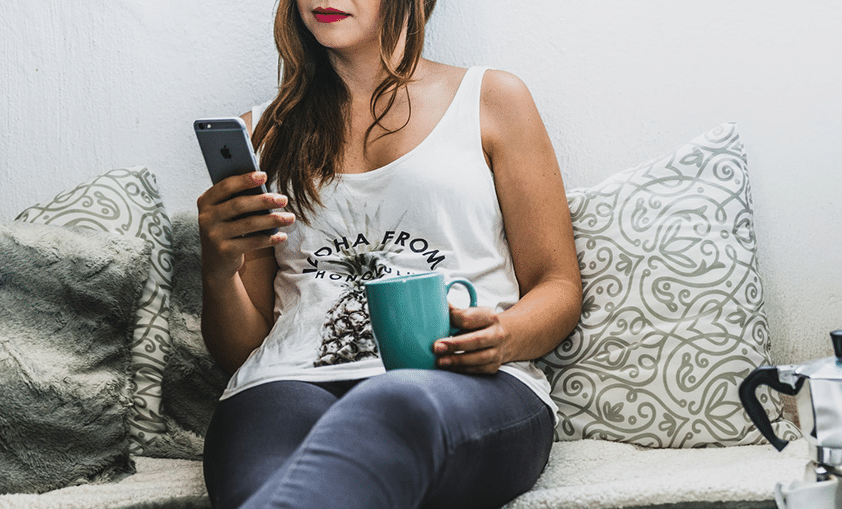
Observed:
{"x":406,"y":439}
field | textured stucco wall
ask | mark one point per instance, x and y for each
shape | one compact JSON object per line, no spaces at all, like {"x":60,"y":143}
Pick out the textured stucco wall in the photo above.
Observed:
{"x":88,"y":85}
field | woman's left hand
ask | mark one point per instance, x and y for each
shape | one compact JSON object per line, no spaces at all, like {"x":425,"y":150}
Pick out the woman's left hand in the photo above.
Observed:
{"x":481,"y":349}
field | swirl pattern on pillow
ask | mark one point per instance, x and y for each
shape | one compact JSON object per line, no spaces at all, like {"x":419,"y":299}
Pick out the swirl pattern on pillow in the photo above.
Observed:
{"x":127,"y":201}
{"x":673,"y":313}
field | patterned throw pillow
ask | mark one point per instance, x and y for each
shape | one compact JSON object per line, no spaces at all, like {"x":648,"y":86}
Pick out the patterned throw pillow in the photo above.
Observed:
{"x":127,"y":202}
{"x":192,"y":381}
{"x":673,"y":316}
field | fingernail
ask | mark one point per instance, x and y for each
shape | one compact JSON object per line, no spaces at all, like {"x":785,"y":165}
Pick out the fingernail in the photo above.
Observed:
{"x":444,"y":362}
{"x":439,"y":348}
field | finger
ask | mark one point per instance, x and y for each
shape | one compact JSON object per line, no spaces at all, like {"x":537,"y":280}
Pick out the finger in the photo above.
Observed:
{"x":472,"y":318}
{"x":248,"y":225}
{"x":216,"y":226}
{"x":485,"y":337}
{"x":233,"y":238}
{"x":226,"y":188}
{"x":246,"y":214}
{"x":212,"y":212}
{"x":229,"y":252}
{"x":482,"y":361}
{"x":249,"y":204}
{"x":473,"y":358}
{"x":450,"y":346}
{"x":250,"y":243}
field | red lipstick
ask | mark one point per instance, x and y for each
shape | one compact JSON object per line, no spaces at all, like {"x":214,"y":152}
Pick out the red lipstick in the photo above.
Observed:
{"x":329,"y":14}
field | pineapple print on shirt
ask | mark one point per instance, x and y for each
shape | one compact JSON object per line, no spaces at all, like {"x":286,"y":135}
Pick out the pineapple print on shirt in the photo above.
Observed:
{"x":346,"y":334}
{"x":351,"y":259}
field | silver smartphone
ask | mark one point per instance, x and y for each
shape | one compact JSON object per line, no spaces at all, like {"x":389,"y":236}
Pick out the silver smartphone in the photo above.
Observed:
{"x":227,"y":150}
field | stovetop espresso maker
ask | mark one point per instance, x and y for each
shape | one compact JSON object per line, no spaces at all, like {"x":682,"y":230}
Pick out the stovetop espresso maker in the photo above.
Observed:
{"x":817,"y":387}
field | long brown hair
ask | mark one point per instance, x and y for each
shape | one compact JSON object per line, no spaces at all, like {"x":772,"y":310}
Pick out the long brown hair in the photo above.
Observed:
{"x":301,"y":135}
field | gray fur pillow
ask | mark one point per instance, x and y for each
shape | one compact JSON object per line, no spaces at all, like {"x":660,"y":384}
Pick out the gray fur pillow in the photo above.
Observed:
{"x":69,"y":300}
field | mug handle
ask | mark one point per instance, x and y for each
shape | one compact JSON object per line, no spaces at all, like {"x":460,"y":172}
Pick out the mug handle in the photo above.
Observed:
{"x":471,"y":291}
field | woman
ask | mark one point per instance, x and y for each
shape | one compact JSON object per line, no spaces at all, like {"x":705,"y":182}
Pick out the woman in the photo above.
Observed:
{"x":385,"y":163}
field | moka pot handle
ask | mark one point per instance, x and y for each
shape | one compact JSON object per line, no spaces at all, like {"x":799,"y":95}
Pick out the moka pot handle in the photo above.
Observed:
{"x":765,"y":375}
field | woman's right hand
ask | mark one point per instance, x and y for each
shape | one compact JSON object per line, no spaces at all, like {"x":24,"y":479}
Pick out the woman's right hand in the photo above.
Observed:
{"x":224,"y":235}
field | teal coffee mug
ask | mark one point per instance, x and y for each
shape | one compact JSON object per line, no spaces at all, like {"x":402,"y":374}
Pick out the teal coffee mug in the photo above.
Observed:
{"x":408,"y":314}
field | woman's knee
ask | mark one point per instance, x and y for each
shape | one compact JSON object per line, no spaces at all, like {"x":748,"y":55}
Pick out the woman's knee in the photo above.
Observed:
{"x":243,"y":446}
{"x":403,"y":404}
{"x":408,"y":394}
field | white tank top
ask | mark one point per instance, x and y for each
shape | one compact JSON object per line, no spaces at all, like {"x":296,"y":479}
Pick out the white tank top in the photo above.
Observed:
{"x":434,"y":209}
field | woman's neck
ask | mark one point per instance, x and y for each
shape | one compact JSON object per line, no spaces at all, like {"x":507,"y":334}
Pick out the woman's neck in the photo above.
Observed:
{"x":361,"y":68}
{"x":361,"y":75}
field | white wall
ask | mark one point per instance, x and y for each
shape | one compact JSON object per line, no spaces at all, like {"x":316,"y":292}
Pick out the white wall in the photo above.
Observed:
{"x":88,"y":85}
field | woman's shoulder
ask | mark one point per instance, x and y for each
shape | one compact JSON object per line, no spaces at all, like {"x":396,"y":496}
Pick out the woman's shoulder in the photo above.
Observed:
{"x":502,"y":89}
{"x":507,"y":110}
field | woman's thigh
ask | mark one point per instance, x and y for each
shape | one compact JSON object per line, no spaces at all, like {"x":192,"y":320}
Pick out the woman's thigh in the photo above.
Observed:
{"x":496,"y":433}
{"x":499,"y":437}
{"x":254,"y":432}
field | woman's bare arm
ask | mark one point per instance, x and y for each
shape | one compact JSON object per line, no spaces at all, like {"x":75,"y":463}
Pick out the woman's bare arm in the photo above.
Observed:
{"x":238,"y":270}
{"x":540,"y":235}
